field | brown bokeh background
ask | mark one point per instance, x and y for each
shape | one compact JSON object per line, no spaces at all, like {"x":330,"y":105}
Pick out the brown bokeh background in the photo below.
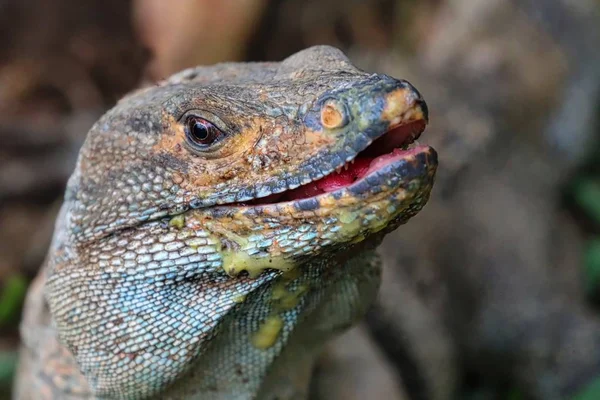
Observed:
{"x":489,"y":293}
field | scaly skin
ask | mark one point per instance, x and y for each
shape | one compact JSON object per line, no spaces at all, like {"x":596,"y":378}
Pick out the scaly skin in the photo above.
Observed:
{"x":143,"y":294}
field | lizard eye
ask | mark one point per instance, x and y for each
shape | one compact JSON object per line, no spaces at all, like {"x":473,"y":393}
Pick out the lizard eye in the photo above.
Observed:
{"x":201,"y":133}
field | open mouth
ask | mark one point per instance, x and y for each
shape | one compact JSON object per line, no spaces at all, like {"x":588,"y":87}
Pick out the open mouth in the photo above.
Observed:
{"x":395,"y":144}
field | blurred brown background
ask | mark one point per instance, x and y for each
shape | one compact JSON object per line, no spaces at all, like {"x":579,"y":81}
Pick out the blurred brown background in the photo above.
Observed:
{"x":490,"y":293}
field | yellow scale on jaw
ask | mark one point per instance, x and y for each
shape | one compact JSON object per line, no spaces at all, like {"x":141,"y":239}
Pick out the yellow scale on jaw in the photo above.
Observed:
{"x":236,"y":259}
{"x":235,"y":262}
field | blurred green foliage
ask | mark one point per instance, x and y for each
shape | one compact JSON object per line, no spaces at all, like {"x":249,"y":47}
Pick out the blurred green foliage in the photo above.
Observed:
{"x":586,"y":193}
{"x":11,"y":299}
{"x":592,"y":392}
{"x":592,"y":269}
{"x":8,"y":363}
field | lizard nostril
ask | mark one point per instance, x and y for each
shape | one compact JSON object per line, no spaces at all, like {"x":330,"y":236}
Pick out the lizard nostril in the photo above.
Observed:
{"x":333,"y":114}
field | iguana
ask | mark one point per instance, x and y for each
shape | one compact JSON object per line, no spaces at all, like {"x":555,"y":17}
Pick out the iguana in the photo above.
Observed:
{"x":219,"y":227}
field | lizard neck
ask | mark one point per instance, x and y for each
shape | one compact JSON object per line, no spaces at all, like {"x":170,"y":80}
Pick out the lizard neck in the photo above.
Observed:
{"x":283,"y":325}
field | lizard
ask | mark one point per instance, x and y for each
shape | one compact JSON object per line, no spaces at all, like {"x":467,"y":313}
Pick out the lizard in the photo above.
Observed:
{"x":219,"y":227}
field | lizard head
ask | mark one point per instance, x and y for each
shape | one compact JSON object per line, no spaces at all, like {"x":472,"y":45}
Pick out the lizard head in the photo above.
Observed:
{"x":312,"y":151}
{"x":307,"y":140}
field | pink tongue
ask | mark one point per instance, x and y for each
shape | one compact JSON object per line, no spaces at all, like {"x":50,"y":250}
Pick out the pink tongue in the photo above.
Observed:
{"x":332,"y":181}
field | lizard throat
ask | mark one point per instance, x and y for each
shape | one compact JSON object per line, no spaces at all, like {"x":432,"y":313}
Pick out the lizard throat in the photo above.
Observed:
{"x":397,"y":143}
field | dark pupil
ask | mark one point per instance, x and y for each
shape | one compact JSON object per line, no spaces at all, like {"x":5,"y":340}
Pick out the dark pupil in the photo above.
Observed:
{"x":201,"y":132}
